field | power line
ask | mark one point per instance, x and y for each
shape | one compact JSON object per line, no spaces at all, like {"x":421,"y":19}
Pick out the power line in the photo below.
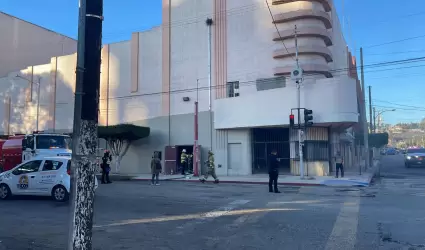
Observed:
{"x":187,"y":90}
{"x":245,"y":83}
{"x":398,"y":108}
{"x":382,"y":64}
{"x":374,"y":65}
{"x":398,"y":52}
{"x":392,"y":42}
{"x":393,"y":103}
{"x":277,"y":29}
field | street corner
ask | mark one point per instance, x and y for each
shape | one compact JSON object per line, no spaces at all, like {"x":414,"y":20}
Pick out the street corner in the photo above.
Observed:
{"x":363,"y":181}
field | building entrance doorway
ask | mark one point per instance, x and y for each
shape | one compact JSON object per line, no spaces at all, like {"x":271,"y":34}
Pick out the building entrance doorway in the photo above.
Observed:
{"x":264,"y":141}
{"x":172,"y":159}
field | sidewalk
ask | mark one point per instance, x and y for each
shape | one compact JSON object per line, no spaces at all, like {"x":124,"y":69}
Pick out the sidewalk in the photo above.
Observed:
{"x":350,"y":179}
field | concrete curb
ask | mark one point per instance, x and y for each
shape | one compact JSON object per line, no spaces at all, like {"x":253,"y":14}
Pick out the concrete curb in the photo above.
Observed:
{"x":181,"y":179}
{"x":375,"y":170}
{"x":116,"y":177}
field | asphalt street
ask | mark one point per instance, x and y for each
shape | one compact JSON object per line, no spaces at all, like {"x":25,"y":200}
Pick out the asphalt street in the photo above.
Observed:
{"x":194,"y":216}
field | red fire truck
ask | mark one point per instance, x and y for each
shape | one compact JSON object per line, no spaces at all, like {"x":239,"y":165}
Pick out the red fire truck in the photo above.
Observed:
{"x":20,"y":148}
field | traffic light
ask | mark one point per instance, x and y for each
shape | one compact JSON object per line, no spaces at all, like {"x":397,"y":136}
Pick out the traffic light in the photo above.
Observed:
{"x":291,"y":120}
{"x":308,"y":117}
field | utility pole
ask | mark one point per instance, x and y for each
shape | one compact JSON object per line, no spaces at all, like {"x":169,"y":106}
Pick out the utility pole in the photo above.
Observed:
{"x":374,"y":120}
{"x":38,"y":101}
{"x":85,"y":123}
{"x":370,"y":109}
{"x":195,"y":144}
{"x":169,"y":72}
{"x":365,"y":126}
{"x":209,"y":23}
{"x":300,"y":131}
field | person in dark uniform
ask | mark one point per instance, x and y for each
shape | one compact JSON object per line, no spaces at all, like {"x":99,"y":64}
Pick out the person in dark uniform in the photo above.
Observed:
{"x":273,"y":172}
{"x":183,"y":161}
{"x":106,"y":162}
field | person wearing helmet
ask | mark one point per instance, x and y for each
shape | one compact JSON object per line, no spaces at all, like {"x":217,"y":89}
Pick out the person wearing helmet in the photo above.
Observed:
{"x":183,"y":161}
{"x":211,"y":168}
{"x":106,"y":162}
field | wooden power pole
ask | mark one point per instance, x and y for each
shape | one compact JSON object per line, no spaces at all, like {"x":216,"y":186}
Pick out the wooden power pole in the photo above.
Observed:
{"x":85,"y":124}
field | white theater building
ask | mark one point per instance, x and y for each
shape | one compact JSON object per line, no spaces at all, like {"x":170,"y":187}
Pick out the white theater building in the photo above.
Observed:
{"x":154,"y":79}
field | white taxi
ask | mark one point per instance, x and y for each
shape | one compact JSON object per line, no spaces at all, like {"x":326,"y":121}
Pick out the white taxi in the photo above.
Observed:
{"x":46,"y":176}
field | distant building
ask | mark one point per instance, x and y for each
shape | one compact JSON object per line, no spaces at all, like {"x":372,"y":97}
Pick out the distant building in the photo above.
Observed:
{"x":23,"y":44}
{"x":154,"y":79}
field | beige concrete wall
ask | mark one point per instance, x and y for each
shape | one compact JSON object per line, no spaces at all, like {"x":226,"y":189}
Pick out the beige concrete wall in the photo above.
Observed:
{"x":65,"y":88}
{"x":189,"y":54}
{"x":23,"y":44}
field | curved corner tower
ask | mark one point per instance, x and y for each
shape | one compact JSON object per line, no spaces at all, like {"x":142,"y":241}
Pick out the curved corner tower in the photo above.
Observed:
{"x":313,"y":23}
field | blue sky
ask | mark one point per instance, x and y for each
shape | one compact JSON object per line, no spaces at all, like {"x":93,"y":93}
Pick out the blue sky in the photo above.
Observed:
{"x":366,"y":23}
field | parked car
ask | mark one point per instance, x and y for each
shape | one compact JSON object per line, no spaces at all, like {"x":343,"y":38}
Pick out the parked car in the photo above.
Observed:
{"x":44,"y":176}
{"x":415,"y":157}
{"x":391,"y":151}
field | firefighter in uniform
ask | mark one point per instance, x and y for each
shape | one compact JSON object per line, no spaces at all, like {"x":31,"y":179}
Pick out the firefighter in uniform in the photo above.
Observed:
{"x":211,"y":168}
{"x":190,"y":163}
{"x":183,"y":161}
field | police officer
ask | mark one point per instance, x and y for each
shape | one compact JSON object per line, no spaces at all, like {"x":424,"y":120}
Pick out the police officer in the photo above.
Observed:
{"x":106,"y":167}
{"x":273,"y":172}
{"x":211,"y":168}
{"x":183,"y":161}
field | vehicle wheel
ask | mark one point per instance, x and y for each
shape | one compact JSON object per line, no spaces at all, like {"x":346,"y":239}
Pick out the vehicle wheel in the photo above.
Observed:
{"x":60,"y":194}
{"x":4,"y":192}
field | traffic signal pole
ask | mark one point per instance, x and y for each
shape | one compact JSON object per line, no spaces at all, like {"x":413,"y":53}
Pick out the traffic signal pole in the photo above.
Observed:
{"x":300,"y":131}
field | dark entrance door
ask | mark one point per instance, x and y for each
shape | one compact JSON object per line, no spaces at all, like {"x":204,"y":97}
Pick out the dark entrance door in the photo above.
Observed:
{"x":264,"y":141}
{"x":170,"y":160}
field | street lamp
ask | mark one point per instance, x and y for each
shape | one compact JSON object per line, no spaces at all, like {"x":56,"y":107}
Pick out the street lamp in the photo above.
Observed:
{"x":379,"y":113}
{"x":38,"y":96}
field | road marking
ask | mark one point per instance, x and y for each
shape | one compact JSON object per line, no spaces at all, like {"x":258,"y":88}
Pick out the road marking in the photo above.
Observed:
{"x":255,"y":217}
{"x":210,"y":215}
{"x":344,"y":233}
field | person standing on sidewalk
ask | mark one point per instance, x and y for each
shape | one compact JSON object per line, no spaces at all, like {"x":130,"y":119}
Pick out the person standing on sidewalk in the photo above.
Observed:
{"x":156,"y":169}
{"x":339,"y":164}
{"x":106,"y":167}
{"x":211,"y":168}
{"x":273,"y":172}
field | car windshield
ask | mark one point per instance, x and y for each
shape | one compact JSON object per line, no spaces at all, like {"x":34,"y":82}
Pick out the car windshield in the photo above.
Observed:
{"x":415,"y":150}
{"x":53,"y":141}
